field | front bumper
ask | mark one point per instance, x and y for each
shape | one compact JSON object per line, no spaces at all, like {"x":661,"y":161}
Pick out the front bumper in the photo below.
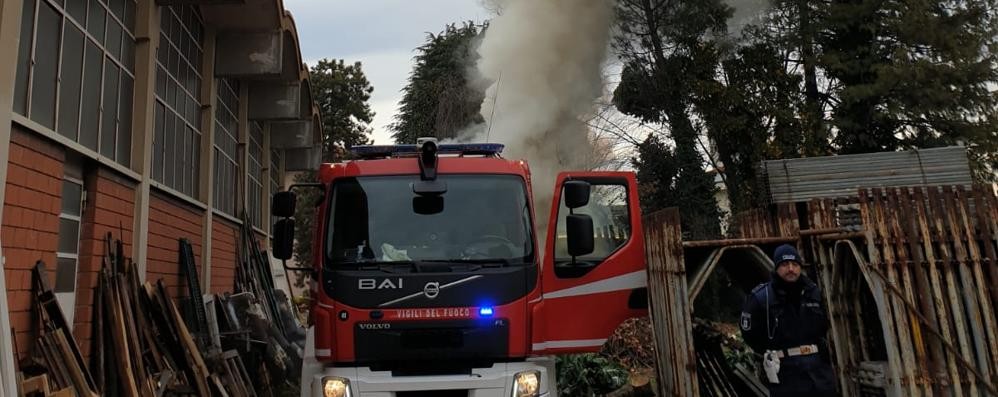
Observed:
{"x":495,"y":381}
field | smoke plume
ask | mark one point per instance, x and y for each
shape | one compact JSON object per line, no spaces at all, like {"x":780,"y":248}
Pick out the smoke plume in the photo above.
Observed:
{"x":543,"y":62}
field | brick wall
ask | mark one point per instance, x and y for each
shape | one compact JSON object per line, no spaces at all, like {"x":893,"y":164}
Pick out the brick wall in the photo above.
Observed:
{"x":110,"y":205}
{"x":225,"y":243}
{"x":170,"y":220}
{"x":30,"y":222}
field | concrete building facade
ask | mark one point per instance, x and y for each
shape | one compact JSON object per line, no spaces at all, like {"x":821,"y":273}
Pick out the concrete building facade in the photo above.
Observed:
{"x":152,"y":120}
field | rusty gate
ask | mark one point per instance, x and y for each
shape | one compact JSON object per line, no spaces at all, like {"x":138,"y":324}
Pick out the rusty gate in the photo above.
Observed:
{"x":910,"y":277}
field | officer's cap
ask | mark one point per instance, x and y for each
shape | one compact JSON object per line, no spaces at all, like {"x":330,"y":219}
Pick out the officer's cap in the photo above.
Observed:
{"x":784,"y":253}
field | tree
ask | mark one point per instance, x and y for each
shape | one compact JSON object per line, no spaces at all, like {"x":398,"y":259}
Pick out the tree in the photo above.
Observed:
{"x":439,"y":99}
{"x":913,"y":74}
{"x":666,"y":54}
{"x":660,"y":185}
{"x":342,"y":92}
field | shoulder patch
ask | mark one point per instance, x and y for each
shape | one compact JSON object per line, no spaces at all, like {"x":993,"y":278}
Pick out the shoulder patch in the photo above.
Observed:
{"x":746,"y":322}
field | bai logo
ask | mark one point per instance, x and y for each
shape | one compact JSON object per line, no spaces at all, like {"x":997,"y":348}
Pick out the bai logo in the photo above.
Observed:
{"x":370,"y":283}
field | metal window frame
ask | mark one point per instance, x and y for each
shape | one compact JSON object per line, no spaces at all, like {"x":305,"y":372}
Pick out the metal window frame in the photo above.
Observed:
{"x":227,"y":181}
{"x":67,"y":18}
{"x":191,"y":173}
{"x":75,"y":256}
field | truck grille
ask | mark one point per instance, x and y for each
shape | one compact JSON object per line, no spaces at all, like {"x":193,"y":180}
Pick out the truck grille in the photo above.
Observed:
{"x":433,"y":393}
{"x":433,"y":341}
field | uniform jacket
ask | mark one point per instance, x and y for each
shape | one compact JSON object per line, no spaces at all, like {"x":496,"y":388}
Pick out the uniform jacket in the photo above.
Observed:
{"x":771,"y":321}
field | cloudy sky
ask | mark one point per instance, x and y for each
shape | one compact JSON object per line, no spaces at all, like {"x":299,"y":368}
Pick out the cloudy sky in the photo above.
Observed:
{"x":379,"y":33}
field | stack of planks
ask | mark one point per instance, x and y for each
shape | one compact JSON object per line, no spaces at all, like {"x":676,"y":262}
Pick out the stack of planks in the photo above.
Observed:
{"x":141,"y":344}
{"x":55,"y":349}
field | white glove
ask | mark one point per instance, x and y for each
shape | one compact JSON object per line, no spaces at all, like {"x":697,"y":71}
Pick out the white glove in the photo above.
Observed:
{"x":771,"y":364}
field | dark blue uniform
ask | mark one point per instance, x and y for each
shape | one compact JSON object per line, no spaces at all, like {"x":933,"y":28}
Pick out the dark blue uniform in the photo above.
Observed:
{"x":780,"y":317}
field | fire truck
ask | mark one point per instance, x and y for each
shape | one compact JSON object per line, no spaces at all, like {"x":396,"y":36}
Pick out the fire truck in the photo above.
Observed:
{"x":429,"y":278}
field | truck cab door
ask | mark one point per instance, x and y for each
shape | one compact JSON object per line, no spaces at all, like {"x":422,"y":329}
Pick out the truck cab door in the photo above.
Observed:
{"x":584,"y":299}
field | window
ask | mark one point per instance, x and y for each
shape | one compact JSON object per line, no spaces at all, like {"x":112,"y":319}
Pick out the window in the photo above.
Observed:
{"x":75,"y":72}
{"x":254,"y":175}
{"x":177,"y":139}
{"x":226,"y":146}
{"x":611,"y":228}
{"x":67,"y":253}
{"x":480,"y":219}
{"x":276,"y":180}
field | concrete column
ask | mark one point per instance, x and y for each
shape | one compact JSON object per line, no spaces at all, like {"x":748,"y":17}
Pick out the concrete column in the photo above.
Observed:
{"x":208,"y":97}
{"x":10,"y":25}
{"x":144,"y":123}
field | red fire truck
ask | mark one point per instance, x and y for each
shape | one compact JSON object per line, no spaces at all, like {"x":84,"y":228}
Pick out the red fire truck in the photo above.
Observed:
{"x":429,"y":278}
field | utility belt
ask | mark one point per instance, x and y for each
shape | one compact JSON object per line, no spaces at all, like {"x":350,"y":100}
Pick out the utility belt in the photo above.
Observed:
{"x":771,"y":359}
{"x":803,"y":350}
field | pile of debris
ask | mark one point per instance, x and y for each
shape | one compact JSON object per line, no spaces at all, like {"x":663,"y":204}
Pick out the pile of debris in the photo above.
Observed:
{"x":725,"y":366}
{"x":147,"y":343}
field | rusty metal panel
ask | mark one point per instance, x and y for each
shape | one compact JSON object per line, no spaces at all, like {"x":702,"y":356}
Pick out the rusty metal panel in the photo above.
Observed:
{"x":669,"y":305}
{"x":792,"y":180}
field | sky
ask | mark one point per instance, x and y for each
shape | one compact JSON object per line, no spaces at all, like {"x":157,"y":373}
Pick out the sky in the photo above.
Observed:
{"x":381,"y":34}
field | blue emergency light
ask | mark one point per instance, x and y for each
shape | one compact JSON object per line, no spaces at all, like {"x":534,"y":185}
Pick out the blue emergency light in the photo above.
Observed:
{"x":485,"y":311}
{"x":470,"y":149}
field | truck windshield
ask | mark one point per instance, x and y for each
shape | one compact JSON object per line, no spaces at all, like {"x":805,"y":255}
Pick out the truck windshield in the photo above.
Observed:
{"x":378,"y":219}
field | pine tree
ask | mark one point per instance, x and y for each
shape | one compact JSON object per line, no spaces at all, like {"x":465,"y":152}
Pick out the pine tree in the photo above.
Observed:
{"x":342,"y":92}
{"x":913,"y":73}
{"x":439,"y":100}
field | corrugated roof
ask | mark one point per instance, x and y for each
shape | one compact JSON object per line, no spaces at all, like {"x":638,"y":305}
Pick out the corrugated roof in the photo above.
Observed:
{"x":793,"y":180}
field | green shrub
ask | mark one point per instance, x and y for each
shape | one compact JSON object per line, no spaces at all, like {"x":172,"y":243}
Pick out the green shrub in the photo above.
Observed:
{"x":586,"y":375}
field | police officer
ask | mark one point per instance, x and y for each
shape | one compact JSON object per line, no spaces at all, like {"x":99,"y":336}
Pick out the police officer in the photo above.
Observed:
{"x":785,"y":321}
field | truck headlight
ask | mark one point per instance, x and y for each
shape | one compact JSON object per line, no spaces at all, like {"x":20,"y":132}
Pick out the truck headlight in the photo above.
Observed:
{"x":527,"y":384}
{"x":335,"y":387}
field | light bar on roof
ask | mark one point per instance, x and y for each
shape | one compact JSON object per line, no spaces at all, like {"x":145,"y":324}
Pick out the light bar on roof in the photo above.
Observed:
{"x":375,"y":151}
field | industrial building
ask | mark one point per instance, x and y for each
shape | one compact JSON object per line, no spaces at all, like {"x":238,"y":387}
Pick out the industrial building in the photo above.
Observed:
{"x":152,"y":121}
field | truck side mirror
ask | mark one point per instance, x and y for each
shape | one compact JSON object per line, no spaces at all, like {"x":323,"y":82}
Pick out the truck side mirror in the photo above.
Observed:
{"x":284,"y":238}
{"x":579,"y":228}
{"x":576,"y":194}
{"x":283,"y":204}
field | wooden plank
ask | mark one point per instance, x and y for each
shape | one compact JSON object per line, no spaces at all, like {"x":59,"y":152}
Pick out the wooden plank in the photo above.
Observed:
{"x":35,"y":384}
{"x":150,"y":342}
{"x":131,"y":332}
{"x":200,"y":370}
{"x":947,"y":259}
{"x":117,"y":324}
{"x":939,"y":303}
{"x":67,"y":392}
{"x":899,"y":343}
{"x":97,"y":341}
{"x":899,"y":240}
{"x":53,"y":311}
{"x":975,"y":285}
{"x":54,"y":362}
{"x":75,"y":372}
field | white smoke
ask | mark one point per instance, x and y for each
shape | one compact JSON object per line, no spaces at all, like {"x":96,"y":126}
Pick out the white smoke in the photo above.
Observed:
{"x":542,"y":59}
